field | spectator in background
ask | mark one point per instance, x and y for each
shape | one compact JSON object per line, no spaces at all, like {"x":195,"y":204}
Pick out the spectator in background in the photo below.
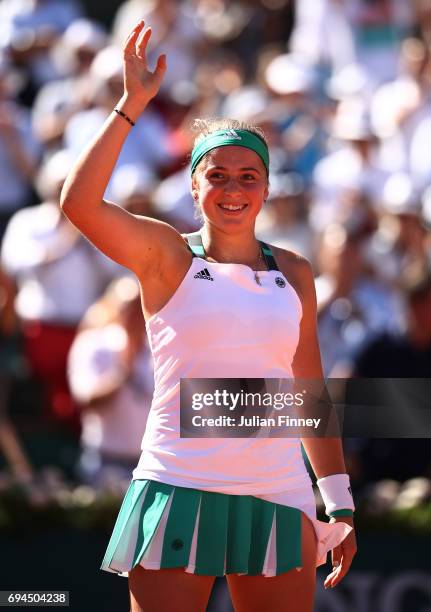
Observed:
{"x":132,"y":188}
{"x":402,"y":355}
{"x":236,"y":26}
{"x":418,"y":164}
{"x":110,"y":375}
{"x":394,"y":102}
{"x":7,"y":312}
{"x":7,"y":329}
{"x":426,"y":221}
{"x":217,"y":77}
{"x":352,"y":308}
{"x":58,"y":275}
{"x":313,"y":33}
{"x":283,"y":220}
{"x":368,"y":33}
{"x":407,"y":354}
{"x":422,"y":10}
{"x":401,"y":114}
{"x":377,"y":30}
{"x":354,"y":166}
{"x":19,"y":149}
{"x":11,"y":448}
{"x":401,"y":240}
{"x":291,"y":82}
{"x":29,"y":29}
{"x":135,"y":189}
{"x":57,"y":101}
{"x":173,"y":201}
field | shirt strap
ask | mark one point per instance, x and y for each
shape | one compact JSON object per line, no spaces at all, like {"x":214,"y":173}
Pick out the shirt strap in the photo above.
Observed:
{"x":271,"y":264}
{"x":194,"y":241}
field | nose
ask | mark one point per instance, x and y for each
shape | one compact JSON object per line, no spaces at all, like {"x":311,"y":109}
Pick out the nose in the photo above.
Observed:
{"x":232,"y":186}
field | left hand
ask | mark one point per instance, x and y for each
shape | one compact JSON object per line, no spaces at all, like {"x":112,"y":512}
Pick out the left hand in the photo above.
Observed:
{"x":342,"y":555}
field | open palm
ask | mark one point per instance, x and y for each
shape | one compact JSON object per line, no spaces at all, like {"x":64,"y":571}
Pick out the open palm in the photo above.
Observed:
{"x":140,"y":82}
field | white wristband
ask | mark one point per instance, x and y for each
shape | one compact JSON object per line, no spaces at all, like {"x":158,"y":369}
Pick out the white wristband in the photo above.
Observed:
{"x":336,"y":493}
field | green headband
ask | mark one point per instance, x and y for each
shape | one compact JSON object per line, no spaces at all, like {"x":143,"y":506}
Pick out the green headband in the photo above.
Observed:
{"x":223,"y":138}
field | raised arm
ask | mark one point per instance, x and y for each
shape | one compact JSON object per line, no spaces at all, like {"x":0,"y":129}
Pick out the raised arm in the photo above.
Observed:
{"x":131,"y":240}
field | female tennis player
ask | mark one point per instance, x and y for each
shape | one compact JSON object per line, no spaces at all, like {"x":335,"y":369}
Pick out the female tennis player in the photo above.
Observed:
{"x":217,"y":304}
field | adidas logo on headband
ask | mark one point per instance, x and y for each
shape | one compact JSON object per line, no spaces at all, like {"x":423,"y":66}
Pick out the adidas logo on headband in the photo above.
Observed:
{"x":232,"y":134}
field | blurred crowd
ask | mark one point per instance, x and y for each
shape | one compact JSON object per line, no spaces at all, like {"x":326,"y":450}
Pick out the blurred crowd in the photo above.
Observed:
{"x":342,"y":89}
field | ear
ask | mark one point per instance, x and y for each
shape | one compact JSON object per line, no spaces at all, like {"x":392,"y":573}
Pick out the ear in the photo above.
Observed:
{"x":195,"y":191}
{"x":266,"y":192}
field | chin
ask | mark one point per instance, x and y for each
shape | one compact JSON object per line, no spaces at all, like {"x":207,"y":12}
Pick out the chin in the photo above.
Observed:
{"x":232,"y":226}
{"x":238,"y":222}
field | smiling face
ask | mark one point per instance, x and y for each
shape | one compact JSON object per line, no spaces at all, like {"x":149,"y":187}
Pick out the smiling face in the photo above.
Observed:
{"x":231,"y":185}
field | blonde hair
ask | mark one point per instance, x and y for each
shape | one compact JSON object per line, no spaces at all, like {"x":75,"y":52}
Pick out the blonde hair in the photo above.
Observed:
{"x":203,"y":127}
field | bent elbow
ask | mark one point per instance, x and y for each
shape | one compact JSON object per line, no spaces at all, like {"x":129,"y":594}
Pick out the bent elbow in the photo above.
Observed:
{"x":66,"y":202}
{"x":69,"y":207}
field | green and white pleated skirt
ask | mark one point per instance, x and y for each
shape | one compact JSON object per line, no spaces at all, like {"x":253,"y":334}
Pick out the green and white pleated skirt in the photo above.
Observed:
{"x":211,"y":534}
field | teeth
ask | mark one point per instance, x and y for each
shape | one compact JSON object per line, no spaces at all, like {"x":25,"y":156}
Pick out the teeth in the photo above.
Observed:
{"x":231,"y":207}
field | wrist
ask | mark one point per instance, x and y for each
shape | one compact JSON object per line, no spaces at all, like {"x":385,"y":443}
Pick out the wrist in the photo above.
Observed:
{"x":343,"y":519}
{"x":337,"y":495}
{"x":344,"y":512}
{"x":131,"y":106}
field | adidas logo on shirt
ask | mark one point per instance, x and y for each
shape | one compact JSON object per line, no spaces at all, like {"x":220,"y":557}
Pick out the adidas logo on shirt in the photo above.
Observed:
{"x":204,"y":274}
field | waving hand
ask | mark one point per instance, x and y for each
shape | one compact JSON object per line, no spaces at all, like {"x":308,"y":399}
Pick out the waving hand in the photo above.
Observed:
{"x":139,"y":82}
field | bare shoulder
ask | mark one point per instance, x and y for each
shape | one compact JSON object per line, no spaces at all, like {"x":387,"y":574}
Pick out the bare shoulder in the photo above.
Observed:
{"x":166,"y":273}
{"x":167,"y":235}
{"x":297,"y":269}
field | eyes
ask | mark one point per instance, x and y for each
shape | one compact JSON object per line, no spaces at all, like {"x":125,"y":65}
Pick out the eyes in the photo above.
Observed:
{"x":222,"y":176}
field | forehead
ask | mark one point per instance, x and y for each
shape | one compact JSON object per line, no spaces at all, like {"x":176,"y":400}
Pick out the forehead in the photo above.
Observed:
{"x":233,"y":157}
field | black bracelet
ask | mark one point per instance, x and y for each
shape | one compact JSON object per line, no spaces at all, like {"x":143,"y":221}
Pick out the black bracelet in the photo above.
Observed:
{"x":126,"y":117}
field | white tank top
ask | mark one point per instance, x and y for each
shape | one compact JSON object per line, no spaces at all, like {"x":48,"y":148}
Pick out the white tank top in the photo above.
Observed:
{"x":221,"y":324}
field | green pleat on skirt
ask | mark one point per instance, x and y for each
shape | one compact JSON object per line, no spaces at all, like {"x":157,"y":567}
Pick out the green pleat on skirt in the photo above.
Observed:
{"x":231,"y":532}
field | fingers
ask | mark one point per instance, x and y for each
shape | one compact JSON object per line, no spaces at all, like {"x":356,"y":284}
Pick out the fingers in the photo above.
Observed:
{"x":129,"y":45}
{"x":161,"y":66}
{"x":337,"y":557}
{"x":336,"y":567}
{"x":342,"y":558}
{"x":142,"y":42}
{"x":335,"y":576}
{"x":135,"y":48}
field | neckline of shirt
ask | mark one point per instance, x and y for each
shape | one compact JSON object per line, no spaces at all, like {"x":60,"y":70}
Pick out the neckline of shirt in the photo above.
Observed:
{"x":228,"y":263}
{"x":210,"y":263}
